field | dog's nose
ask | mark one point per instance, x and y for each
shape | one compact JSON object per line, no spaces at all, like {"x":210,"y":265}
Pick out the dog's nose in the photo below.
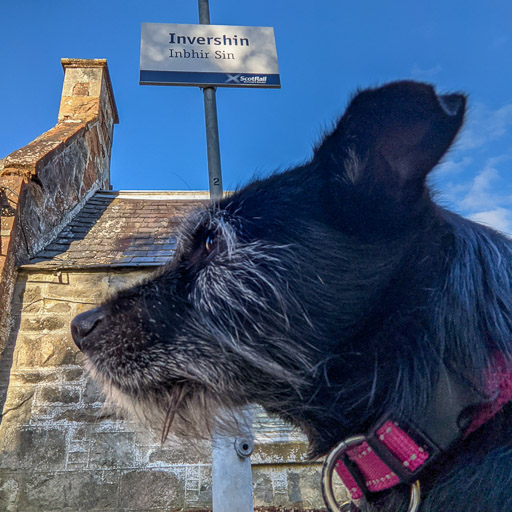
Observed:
{"x":84,"y":323}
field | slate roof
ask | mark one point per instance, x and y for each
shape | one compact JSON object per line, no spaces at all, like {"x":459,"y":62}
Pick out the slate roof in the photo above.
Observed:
{"x":120,"y":229}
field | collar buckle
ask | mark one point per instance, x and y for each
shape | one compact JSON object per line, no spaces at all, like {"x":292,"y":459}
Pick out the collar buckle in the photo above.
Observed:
{"x":353,"y":505}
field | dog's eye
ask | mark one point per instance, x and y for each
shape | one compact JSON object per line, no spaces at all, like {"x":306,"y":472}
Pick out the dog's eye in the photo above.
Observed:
{"x":209,"y":242}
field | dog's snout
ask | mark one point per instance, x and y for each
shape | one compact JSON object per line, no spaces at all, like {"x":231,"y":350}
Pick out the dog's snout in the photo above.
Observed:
{"x":84,"y":323}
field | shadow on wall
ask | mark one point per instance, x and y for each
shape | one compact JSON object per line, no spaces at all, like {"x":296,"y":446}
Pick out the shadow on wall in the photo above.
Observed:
{"x":6,"y":357}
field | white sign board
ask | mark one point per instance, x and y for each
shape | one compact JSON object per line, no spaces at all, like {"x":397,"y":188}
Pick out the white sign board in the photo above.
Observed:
{"x":208,"y":55}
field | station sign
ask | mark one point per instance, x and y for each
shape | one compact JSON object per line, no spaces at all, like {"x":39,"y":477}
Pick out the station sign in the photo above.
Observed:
{"x":208,"y":55}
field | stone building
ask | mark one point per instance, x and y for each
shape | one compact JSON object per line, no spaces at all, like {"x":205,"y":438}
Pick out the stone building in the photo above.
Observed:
{"x":67,"y":241}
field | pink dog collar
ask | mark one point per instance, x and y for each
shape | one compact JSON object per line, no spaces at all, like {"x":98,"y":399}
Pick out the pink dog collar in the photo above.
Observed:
{"x":397,"y":452}
{"x":377,"y":475}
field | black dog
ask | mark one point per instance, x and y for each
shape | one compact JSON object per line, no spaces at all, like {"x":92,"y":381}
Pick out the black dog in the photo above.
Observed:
{"x":340,"y":297}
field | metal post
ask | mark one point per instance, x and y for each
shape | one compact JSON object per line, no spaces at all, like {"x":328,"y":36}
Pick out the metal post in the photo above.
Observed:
{"x":212,"y":127}
{"x":231,"y":462}
{"x":231,"y":469}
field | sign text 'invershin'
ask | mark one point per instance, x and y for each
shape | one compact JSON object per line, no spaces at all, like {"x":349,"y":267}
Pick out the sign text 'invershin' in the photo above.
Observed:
{"x":217,"y":55}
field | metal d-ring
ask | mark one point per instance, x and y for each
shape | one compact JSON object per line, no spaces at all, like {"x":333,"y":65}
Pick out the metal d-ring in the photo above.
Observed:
{"x":353,"y":505}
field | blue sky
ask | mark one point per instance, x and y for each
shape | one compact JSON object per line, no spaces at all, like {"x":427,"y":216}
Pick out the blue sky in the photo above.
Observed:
{"x":326,"y":50}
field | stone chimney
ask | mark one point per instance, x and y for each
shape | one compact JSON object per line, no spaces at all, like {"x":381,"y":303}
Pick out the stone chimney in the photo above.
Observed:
{"x":44,"y":184}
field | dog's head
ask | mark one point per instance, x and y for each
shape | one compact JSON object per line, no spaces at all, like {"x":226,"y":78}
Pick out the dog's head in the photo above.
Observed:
{"x":278,"y":293}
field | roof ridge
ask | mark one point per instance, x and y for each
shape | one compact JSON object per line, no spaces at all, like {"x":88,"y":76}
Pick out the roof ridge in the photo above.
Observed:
{"x":202,"y":195}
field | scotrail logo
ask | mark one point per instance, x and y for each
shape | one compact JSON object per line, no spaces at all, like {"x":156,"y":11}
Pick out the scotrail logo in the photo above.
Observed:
{"x":243,"y":79}
{"x":253,"y":79}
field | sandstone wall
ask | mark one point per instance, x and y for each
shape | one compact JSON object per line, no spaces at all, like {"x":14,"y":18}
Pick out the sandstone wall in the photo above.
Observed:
{"x":62,"y":450}
{"x":43,"y":184}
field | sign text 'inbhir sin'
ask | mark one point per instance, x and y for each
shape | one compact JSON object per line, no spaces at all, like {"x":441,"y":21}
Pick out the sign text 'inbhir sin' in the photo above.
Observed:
{"x":208,"y":55}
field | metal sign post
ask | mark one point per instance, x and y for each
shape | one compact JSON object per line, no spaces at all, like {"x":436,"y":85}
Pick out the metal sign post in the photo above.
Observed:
{"x":212,"y":125}
{"x":231,"y":465}
{"x":231,"y":468}
{"x":210,"y":56}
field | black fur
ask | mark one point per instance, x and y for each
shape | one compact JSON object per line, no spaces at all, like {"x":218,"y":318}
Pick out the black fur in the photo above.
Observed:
{"x":329,"y":294}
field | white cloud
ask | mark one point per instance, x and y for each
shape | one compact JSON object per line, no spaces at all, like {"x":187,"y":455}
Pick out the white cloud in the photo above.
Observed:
{"x":483,"y":126}
{"x":482,"y":193}
{"x":487,"y":197}
{"x":452,"y":166}
{"x":499,"y":218}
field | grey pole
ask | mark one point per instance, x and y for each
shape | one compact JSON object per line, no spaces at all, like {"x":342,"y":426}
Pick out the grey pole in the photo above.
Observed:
{"x":231,"y":462}
{"x":231,"y":468}
{"x":212,"y":126}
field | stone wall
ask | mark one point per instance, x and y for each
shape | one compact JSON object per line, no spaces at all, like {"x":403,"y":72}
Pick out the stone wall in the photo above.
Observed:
{"x":43,"y":184}
{"x":62,"y":449}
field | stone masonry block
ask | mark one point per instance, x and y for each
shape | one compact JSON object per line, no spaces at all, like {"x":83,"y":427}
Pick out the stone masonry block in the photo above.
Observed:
{"x":280,"y":452}
{"x":6,"y":223}
{"x":44,"y":350}
{"x":78,"y":292}
{"x":175,"y":451}
{"x":83,"y":306}
{"x":92,"y":393}
{"x":9,"y":492}
{"x":34,"y":448}
{"x":78,"y":459}
{"x":40,"y":323}
{"x":291,"y":485}
{"x":18,"y":405}
{"x":58,"y":394}
{"x":72,"y":374}
{"x":26,"y":292}
{"x":67,"y":492}
{"x":55,"y":306}
{"x":110,"y":450}
{"x":80,"y":434}
{"x":70,"y":414}
{"x":34,"y":307}
{"x":78,"y":285}
{"x":262,"y":488}
{"x":147,"y":490}
{"x":34,"y":376}
{"x":120,"y":280}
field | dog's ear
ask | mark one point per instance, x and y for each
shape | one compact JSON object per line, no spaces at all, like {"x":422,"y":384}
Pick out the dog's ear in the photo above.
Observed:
{"x":390,"y":138}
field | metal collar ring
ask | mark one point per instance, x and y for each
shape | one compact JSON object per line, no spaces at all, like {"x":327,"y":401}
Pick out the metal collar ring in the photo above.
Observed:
{"x":327,"y":487}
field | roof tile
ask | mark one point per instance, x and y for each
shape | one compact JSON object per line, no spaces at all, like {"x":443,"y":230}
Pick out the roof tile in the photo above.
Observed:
{"x":121,"y":229}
